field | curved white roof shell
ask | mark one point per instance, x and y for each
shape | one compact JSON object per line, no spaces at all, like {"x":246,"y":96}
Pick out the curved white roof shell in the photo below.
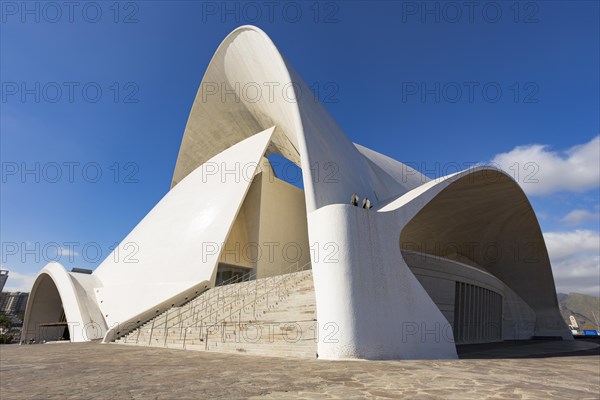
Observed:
{"x":367,"y":292}
{"x":305,"y":133}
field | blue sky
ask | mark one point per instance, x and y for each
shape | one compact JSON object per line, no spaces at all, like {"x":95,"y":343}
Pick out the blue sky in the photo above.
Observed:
{"x":434,"y":84}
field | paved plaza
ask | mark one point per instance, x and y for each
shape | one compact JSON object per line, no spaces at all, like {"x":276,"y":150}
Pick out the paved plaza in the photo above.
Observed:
{"x":110,"y":371}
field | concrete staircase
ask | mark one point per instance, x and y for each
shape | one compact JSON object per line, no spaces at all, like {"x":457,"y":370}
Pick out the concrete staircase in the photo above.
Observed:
{"x":273,"y":316}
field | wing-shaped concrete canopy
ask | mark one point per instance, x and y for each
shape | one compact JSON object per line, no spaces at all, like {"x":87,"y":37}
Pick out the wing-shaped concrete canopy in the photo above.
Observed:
{"x":168,"y":257}
{"x":248,"y":87}
{"x":172,"y":242}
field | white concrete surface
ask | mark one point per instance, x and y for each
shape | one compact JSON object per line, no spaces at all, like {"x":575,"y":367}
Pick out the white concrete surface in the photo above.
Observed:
{"x":56,"y":291}
{"x":365,"y":291}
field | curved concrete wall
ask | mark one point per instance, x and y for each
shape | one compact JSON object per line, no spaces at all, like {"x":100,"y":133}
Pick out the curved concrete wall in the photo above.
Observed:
{"x":365,"y":290}
{"x":439,"y":275}
{"x":54,"y":292}
{"x":485,"y":217}
{"x":369,"y":304}
{"x":369,"y":292}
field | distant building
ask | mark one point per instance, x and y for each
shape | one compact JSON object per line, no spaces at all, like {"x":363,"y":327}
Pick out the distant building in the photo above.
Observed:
{"x":13,"y":303}
{"x":3,"y":278}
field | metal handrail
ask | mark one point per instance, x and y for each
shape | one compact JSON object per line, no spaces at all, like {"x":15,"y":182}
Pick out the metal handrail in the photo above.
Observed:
{"x":238,"y":279}
{"x":232,"y":288}
{"x":220,"y":309}
{"x":188,"y":305}
{"x":281,"y":277}
{"x":290,"y":269}
{"x":206,"y":298}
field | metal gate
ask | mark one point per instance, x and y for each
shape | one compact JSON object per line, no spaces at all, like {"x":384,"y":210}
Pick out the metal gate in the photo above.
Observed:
{"x":477,"y":314}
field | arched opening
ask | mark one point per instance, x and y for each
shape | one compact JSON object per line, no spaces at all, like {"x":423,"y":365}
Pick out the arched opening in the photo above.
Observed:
{"x":46,"y":318}
{"x":484,"y":222}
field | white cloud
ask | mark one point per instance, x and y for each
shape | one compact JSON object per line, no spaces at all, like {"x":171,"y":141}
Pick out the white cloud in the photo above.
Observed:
{"x":63,"y":251}
{"x":18,"y":282}
{"x":541,"y":171}
{"x":578,"y":217}
{"x":542,"y":216}
{"x":575,"y":259}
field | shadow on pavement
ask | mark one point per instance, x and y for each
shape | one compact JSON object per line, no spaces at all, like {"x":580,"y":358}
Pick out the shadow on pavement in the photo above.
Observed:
{"x":530,"y":349}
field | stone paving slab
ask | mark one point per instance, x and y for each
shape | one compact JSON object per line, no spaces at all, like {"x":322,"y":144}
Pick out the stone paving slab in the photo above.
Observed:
{"x":97,"y":371}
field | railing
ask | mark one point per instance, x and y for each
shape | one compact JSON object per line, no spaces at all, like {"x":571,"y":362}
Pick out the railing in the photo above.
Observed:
{"x":238,"y":278}
{"x":265,"y":282}
{"x":204,"y":312}
{"x":223,"y":293}
{"x":192,"y":302}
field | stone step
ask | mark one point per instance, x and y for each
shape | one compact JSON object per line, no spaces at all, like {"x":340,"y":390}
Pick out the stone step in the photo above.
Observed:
{"x":263,"y":307}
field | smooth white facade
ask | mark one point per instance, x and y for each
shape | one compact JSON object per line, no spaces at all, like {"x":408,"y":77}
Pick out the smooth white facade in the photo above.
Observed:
{"x":370,"y":304}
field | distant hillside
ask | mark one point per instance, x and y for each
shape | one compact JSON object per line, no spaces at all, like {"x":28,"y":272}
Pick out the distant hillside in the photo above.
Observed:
{"x":582,"y":306}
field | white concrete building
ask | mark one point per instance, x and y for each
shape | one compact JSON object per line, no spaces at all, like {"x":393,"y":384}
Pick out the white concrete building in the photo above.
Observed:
{"x":431,"y":263}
